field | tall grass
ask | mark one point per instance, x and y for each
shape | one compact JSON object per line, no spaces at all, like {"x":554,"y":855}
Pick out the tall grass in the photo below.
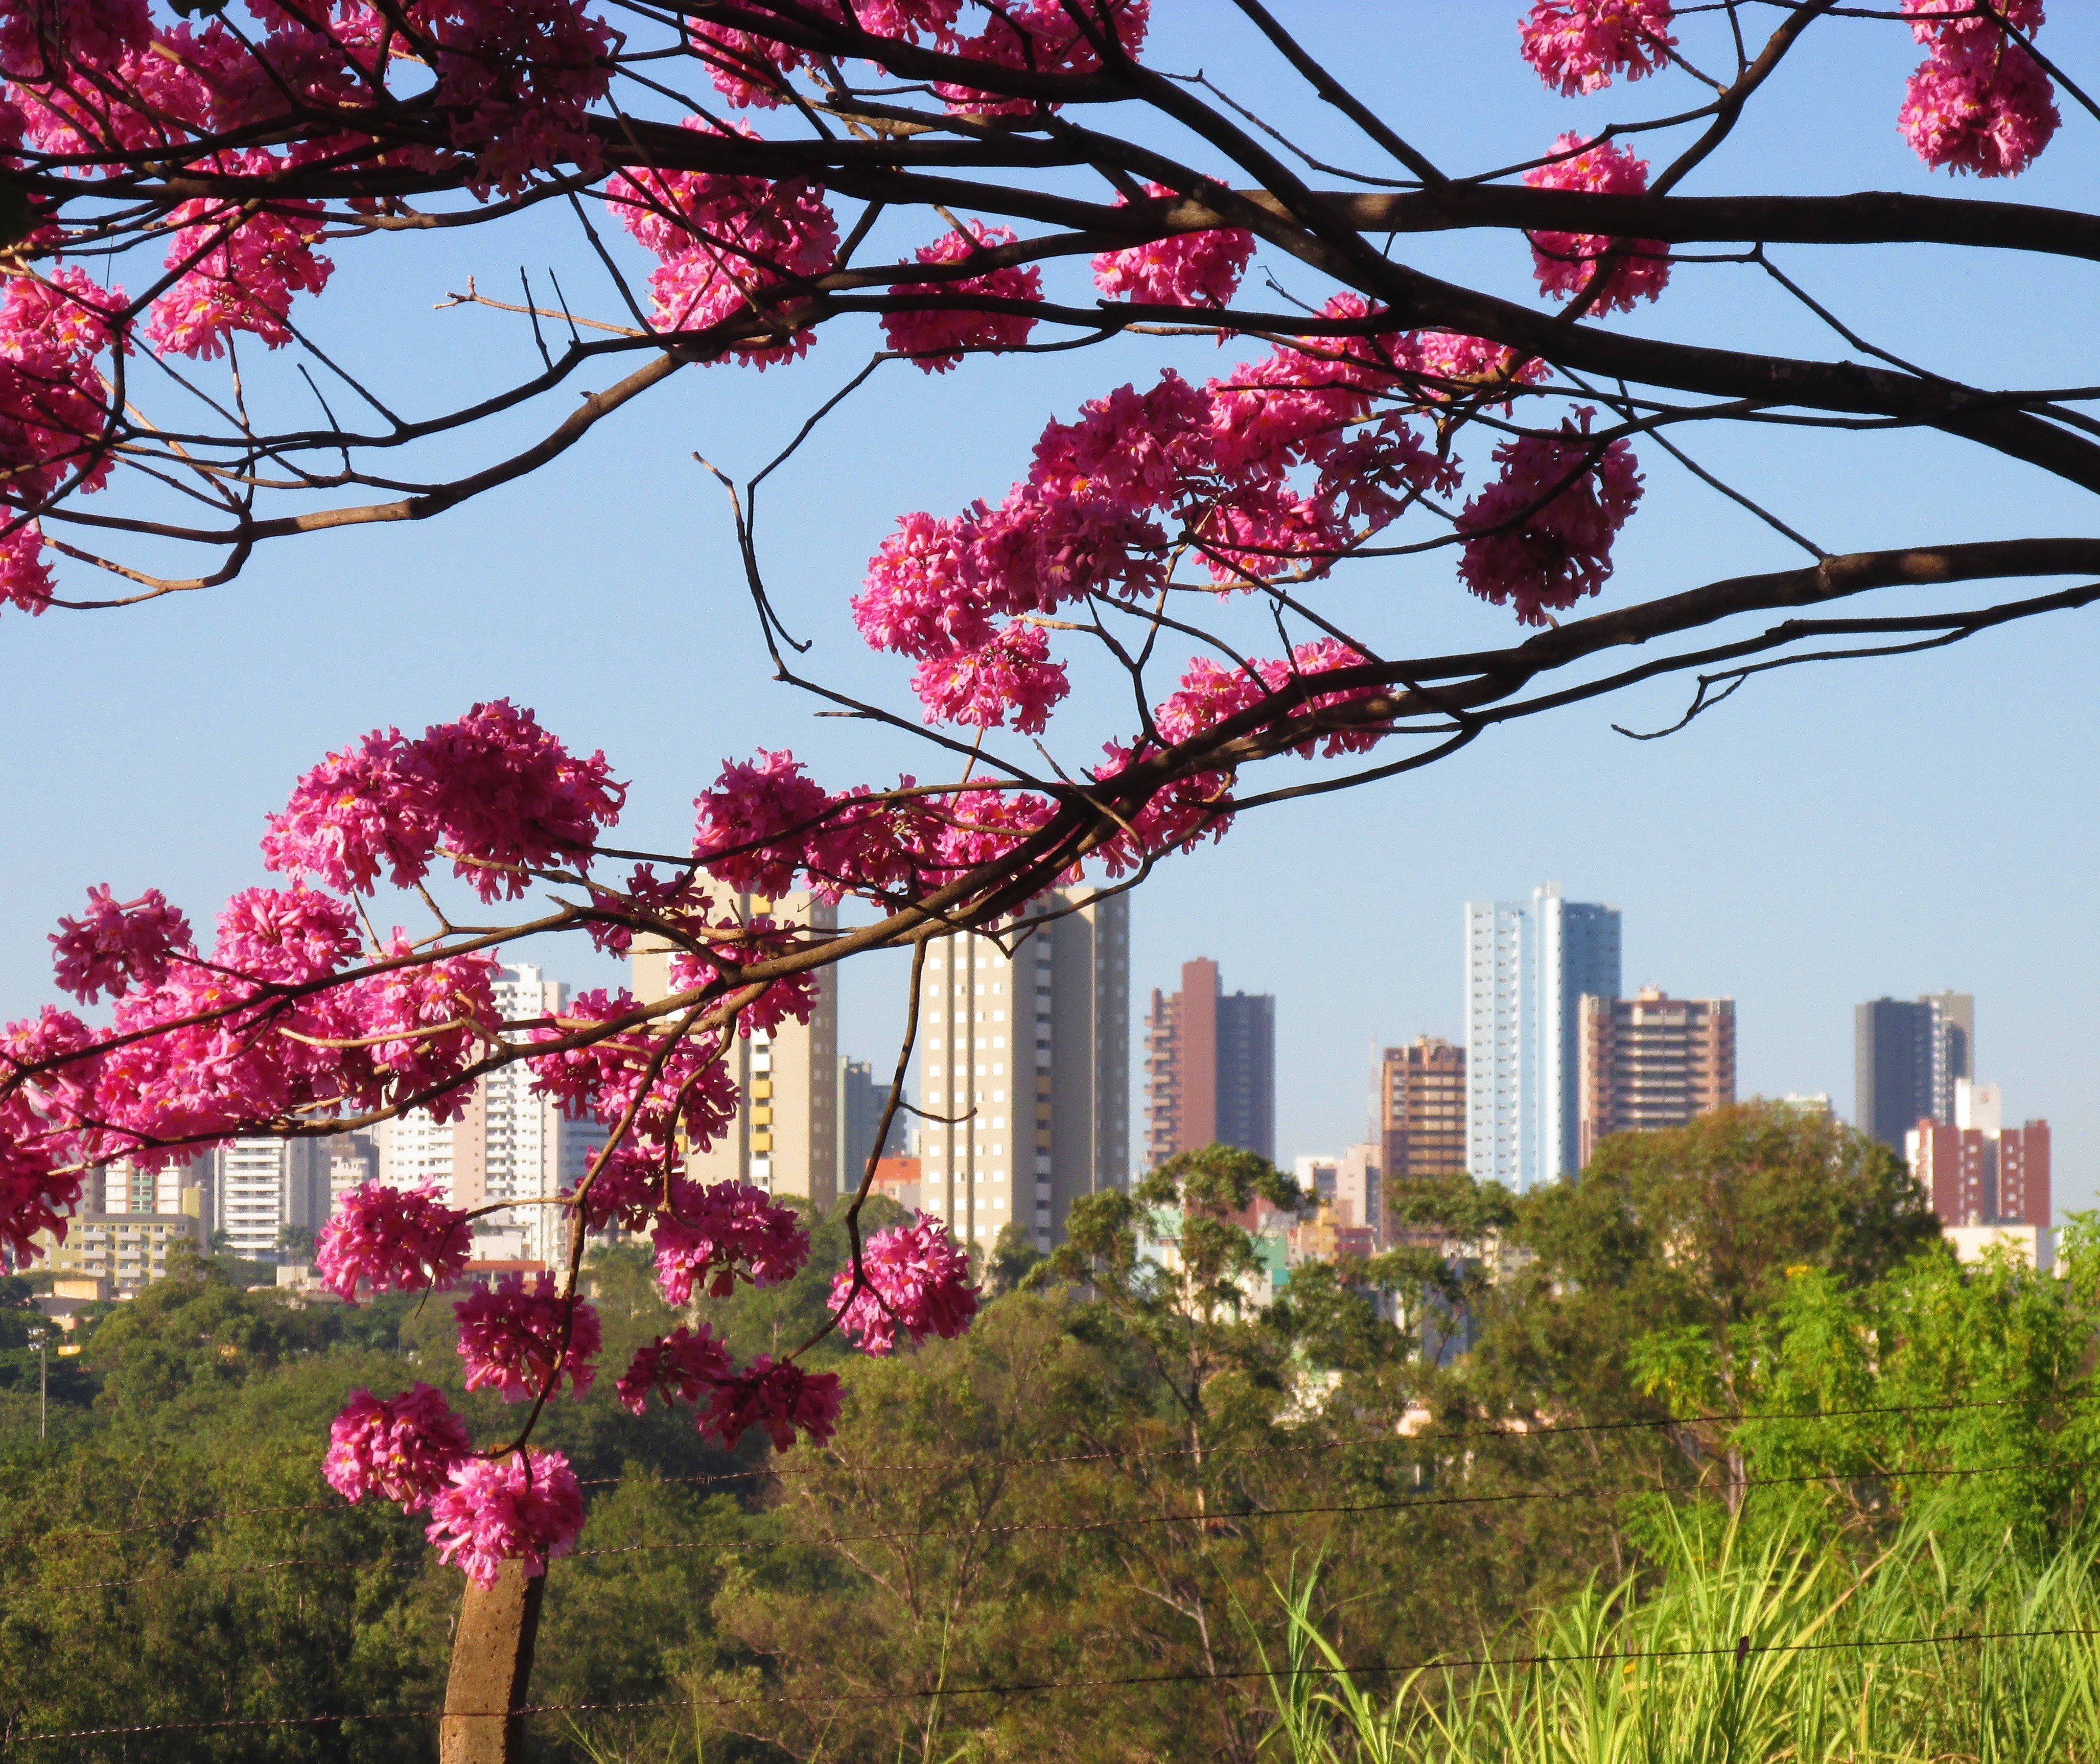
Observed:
{"x":1741,"y":1647}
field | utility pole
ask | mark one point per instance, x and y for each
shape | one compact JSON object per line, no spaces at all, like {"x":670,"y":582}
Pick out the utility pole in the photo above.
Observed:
{"x":40,"y":1340}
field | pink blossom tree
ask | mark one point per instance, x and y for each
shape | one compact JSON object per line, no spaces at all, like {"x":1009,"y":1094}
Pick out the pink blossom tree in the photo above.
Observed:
{"x":918,"y":183}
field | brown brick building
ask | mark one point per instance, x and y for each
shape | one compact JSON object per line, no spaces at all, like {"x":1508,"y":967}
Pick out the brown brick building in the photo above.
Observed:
{"x":1654,"y":1061}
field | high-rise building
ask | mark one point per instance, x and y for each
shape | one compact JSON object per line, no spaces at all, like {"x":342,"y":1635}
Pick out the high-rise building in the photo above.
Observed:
{"x":353,"y":1162}
{"x":508,"y":1145}
{"x":1977,"y":1171}
{"x":1527,"y":965}
{"x":267,"y":1187}
{"x":1654,"y":1061}
{"x":1907,"y":1056}
{"x":786,"y":1136}
{"x":1025,"y":1068}
{"x":1209,"y":1068}
{"x":1422,"y":1099}
{"x":858,"y":1112}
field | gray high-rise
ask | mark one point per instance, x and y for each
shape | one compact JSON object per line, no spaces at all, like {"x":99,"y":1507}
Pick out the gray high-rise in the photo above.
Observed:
{"x":1527,"y":965}
{"x":1907,"y":1055}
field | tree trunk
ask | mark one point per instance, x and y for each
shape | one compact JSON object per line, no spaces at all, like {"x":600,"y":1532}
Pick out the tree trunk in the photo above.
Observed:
{"x":491,"y":1665}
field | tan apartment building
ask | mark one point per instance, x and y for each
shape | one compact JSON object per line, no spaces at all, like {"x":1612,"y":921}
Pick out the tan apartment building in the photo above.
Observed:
{"x":785,"y":1139}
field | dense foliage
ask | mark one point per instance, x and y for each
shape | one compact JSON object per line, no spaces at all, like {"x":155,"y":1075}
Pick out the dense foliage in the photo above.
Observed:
{"x":1096,"y":1492}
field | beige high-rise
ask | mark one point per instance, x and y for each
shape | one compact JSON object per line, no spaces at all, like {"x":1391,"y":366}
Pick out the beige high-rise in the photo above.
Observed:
{"x":785,"y":1139}
{"x":1028,"y":1056}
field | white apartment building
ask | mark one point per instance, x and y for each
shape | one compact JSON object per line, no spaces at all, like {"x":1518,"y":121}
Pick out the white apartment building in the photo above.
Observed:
{"x":785,"y":1139}
{"x":266,"y":1186}
{"x":1527,"y":965}
{"x":508,"y":1145}
{"x":1025,"y":1068}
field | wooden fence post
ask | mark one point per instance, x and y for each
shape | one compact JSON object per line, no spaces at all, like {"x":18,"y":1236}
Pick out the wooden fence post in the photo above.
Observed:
{"x":491,"y":1666}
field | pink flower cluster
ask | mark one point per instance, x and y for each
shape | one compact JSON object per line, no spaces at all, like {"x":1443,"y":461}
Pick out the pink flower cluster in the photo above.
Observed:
{"x":239,"y":269}
{"x":289,"y":935}
{"x":780,"y":1398}
{"x":117,"y":944}
{"x":723,"y":242}
{"x":517,"y":78}
{"x":394,"y":1240}
{"x":1980,"y":102}
{"x":41,"y":1143}
{"x":1540,"y":535}
{"x":1565,"y":263}
{"x":55,"y":411}
{"x":1044,"y":38}
{"x":935,"y":338}
{"x":682,"y":1367}
{"x":917,"y":1281}
{"x":1271,"y":473}
{"x":713,"y":1236}
{"x":1011,"y":673}
{"x":523,"y":1337}
{"x":216,"y":1055}
{"x":1198,"y":269}
{"x":494,"y":789}
{"x":401,"y":1449}
{"x":525,"y":1509}
{"x":690,"y":1093}
{"x":1578,"y":46}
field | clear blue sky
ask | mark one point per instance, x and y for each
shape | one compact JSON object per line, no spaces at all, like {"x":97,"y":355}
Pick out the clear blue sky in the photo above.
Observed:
{"x":1827,"y":836}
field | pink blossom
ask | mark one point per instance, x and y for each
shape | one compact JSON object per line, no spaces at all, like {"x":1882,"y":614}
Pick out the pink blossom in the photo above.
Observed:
{"x":723,"y":241}
{"x":1264,"y":531}
{"x":494,"y":788}
{"x":508,"y":796}
{"x":240,"y":270}
{"x":35,"y":1197}
{"x":628,"y":1184}
{"x":1540,"y":535}
{"x":973,"y":828}
{"x":1979,"y":105}
{"x":1578,"y":44}
{"x":1936,"y":22}
{"x":1195,"y":269}
{"x":1564,"y":263}
{"x":396,"y":1239}
{"x":41,"y":1145}
{"x":917,"y":1281}
{"x":1466,"y":362}
{"x":1041,"y":36}
{"x":26,"y":580}
{"x":757,"y":821}
{"x":914,"y":599}
{"x":1210,"y":693}
{"x":401,"y":1449}
{"x":729,"y":1230}
{"x":781,"y":1399}
{"x":1013,"y":672}
{"x":936,"y":339}
{"x":1142,"y":451}
{"x":527,"y":1509}
{"x":359,"y":809}
{"x":691,"y":1092}
{"x":54,"y":413}
{"x":286,"y":935}
{"x":516,"y":78}
{"x":44,"y":40}
{"x":524,"y":1338}
{"x":116,"y":944}
{"x":682,"y":1367}
{"x":416,"y":1029}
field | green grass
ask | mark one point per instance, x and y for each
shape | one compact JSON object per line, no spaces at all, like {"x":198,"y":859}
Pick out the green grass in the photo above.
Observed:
{"x":1739,"y":1648}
